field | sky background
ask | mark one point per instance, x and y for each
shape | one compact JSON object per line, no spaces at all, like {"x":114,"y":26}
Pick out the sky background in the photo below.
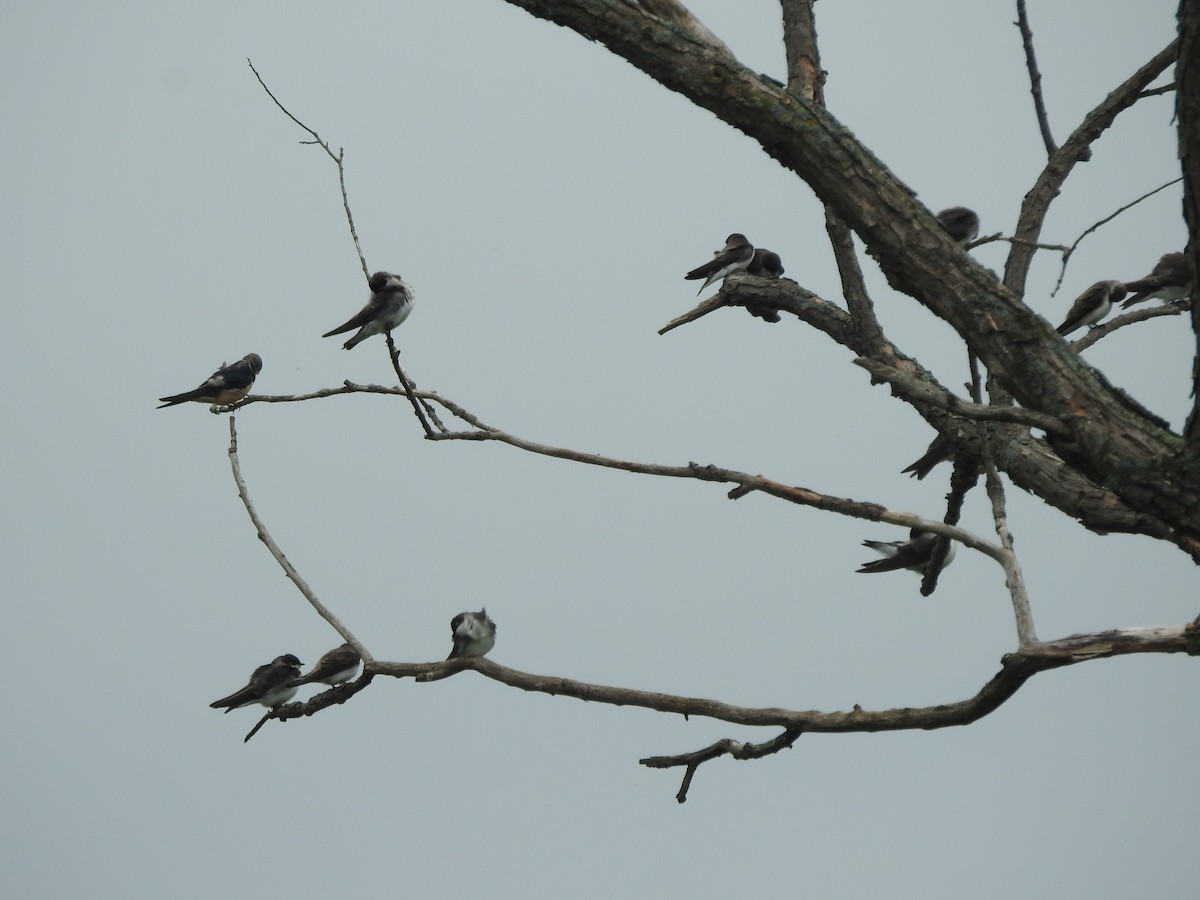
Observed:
{"x":544,"y":200}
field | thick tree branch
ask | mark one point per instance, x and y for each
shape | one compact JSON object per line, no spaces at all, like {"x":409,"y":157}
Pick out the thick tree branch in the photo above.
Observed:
{"x":1112,"y":446}
{"x":1187,"y":108}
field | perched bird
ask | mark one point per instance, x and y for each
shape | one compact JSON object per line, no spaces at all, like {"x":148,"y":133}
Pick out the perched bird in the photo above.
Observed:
{"x":226,"y":385}
{"x":474,"y":634}
{"x":1171,"y":280}
{"x":391,"y":302}
{"x":271,"y":685}
{"x":937,"y":453}
{"x":913,"y":554}
{"x":733,"y":257}
{"x":765,"y":264}
{"x":961,"y":224}
{"x":1092,"y":305}
{"x":337,"y":666}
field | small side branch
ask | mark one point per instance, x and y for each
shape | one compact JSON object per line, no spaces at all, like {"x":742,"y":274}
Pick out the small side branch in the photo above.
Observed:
{"x":724,"y":747}
{"x":1129,"y":318}
{"x":1035,"y":78}
{"x":288,"y":569}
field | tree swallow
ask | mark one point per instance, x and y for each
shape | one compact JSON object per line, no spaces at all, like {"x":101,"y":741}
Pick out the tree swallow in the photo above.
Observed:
{"x":226,"y":385}
{"x":913,"y":554}
{"x":1092,"y":305}
{"x":1171,"y":280}
{"x":336,"y":667}
{"x":270,"y":685}
{"x":764,"y":264}
{"x":474,"y":634}
{"x":936,"y":453}
{"x":961,"y":224}
{"x":733,"y":257}
{"x":391,"y":302}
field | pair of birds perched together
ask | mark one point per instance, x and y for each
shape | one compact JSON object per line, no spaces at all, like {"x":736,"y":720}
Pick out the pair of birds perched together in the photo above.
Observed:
{"x":390,"y":303}
{"x":1169,"y":281}
{"x":272,"y":685}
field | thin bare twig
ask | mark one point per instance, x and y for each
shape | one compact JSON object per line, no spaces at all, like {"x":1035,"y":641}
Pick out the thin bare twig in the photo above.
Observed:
{"x":336,"y":157}
{"x":288,"y":569}
{"x":1096,"y":226}
{"x":1035,"y":78}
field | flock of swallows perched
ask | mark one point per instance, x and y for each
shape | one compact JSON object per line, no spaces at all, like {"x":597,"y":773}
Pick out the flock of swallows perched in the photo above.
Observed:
{"x":272,"y":685}
{"x":1170,"y":281}
{"x":472,"y":633}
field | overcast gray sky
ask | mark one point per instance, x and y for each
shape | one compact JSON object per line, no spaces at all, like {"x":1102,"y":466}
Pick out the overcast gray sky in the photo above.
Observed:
{"x":544,"y":200}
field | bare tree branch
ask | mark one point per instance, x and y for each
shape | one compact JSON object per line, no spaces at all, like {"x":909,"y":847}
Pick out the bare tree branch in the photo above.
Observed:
{"x":1096,"y":225}
{"x":1035,"y":78}
{"x":1062,"y":161}
{"x":1016,"y":669}
{"x":288,"y":569}
{"x":723,"y":747}
{"x":1187,"y":108}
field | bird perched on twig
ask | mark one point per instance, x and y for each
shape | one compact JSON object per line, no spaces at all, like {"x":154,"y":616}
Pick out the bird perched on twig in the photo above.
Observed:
{"x":913,"y":554}
{"x":270,"y":685}
{"x":1170,"y":280}
{"x":735,"y":256}
{"x":474,"y":634}
{"x":391,"y":302}
{"x":1092,"y":305}
{"x":228,"y":384}
{"x":336,"y":667}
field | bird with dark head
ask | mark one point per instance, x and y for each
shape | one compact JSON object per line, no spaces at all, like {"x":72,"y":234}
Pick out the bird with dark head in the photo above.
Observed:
{"x":228,"y":384}
{"x":1170,"y":280}
{"x":961,"y":224}
{"x":391,"y":302}
{"x":269,"y":685}
{"x":913,"y":554}
{"x":1091,"y":306}
{"x":473,"y":634}
{"x":336,"y":667}
{"x":735,"y":256}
